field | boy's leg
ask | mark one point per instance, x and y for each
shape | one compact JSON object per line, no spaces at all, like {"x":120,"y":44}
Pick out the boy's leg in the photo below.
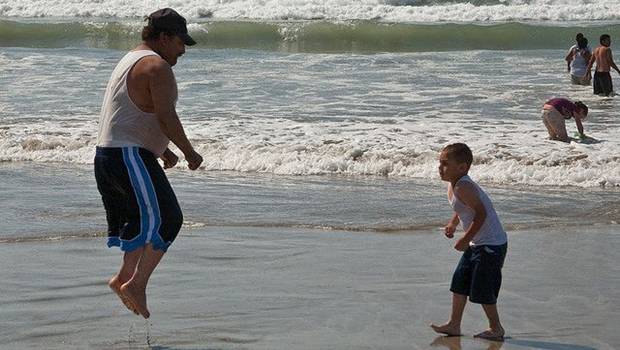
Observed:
{"x":495,"y":331}
{"x":135,"y":288}
{"x":453,"y":327}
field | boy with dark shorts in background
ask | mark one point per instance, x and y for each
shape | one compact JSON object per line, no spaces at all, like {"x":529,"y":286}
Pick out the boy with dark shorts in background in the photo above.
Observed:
{"x":484,"y":244}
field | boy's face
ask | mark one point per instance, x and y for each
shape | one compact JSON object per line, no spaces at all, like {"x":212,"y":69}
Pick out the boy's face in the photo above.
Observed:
{"x":449,"y":169}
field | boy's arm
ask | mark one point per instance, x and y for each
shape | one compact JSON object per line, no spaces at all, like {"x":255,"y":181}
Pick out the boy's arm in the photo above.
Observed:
{"x":469,"y":195}
{"x":452,"y":224}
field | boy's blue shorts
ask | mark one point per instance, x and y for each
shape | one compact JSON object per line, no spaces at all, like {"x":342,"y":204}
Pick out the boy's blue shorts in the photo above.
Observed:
{"x":140,"y":205}
{"x":479,"y":273}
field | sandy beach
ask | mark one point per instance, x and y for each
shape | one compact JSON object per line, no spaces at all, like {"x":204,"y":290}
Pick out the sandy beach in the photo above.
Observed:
{"x":267,"y":288}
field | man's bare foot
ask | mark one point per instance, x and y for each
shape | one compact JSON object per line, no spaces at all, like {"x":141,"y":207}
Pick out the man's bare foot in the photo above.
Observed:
{"x":491,"y":334}
{"x":447,"y":329}
{"x":115,"y":284}
{"x":137,"y":297}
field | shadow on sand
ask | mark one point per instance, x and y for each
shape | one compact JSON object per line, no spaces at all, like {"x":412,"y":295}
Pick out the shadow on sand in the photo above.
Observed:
{"x":454,"y":343}
{"x":536,"y":344}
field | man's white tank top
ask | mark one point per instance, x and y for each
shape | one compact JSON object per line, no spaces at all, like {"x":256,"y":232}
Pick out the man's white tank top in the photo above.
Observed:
{"x":491,"y":232}
{"x":122,"y":123}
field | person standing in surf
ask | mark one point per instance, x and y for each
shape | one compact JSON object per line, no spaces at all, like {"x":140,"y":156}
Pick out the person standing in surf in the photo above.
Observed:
{"x":138,"y":120}
{"x":578,"y":58}
{"x":602,"y":84}
{"x":478,"y":274}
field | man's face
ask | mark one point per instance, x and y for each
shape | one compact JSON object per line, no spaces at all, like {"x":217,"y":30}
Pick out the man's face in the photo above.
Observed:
{"x":450,"y":169}
{"x":606,"y":42}
{"x":173,"y":48}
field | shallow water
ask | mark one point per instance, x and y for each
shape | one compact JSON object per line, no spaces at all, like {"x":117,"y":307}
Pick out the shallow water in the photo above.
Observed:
{"x":57,"y":201}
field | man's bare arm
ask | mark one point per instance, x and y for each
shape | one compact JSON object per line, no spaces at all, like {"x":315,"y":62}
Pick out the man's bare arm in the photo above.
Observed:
{"x":163,"y":93}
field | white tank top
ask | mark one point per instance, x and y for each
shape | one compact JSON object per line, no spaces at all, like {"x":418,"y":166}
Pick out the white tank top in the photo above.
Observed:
{"x":122,"y":123}
{"x":491,"y":232}
{"x":579,"y":64}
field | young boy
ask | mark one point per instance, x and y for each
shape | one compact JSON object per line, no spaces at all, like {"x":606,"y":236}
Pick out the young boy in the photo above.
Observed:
{"x":479,"y":272}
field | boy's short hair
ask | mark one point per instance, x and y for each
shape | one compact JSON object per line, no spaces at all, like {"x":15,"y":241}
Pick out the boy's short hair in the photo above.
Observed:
{"x":459,"y":152}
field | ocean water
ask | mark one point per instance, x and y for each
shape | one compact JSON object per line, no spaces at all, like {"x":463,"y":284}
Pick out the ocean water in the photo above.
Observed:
{"x":338,"y":93}
{"x":319,"y":122}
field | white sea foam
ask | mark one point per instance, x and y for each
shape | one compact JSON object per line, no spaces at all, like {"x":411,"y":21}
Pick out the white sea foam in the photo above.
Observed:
{"x":305,"y":114}
{"x":342,"y":10}
{"x":516,"y":155}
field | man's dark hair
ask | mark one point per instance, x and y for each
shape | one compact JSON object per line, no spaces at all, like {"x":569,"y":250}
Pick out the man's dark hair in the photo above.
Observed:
{"x":581,"y":106}
{"x":149,"y":32}
{"x":604,"y":37}
{"x":578,"y":36}
{"x":459,"y":152}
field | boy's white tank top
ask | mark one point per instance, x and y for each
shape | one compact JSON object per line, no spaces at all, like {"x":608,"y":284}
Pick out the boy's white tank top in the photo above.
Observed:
{"x":491,"y":232}
{"x":122,"y":123}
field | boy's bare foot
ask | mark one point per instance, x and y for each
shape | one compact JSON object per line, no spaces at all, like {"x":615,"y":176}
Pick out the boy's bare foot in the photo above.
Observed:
{"x":447,"y":329}
{"x":490,"y":334}
{"x":115,"y":284}
{"x":137,"y":297}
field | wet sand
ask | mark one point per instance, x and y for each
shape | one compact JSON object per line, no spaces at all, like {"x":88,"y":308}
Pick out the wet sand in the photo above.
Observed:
{"x":267,"y":288}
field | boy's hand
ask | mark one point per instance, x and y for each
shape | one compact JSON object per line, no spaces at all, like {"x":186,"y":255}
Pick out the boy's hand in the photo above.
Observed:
{"x":449,"y":230}
{"x":461,"y":245}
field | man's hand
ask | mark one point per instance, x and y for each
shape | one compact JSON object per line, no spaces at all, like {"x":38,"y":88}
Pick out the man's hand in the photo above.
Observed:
{"x":170,"y":159}
{"x":461,"y":245}
{"x":193,"y":160}
{"x":449,"y":230}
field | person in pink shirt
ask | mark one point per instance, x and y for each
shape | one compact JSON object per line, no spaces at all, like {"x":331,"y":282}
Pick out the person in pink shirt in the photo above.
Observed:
{"x":556,"y":111}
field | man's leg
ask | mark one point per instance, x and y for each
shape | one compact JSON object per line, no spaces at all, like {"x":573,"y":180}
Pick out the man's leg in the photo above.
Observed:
{"x":453,"y":327}
{"x":128,"y":267}
{"x":135,"y":288}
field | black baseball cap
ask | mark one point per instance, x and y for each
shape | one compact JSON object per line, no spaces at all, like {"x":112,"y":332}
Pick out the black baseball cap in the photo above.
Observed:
{"x":169,"y":21}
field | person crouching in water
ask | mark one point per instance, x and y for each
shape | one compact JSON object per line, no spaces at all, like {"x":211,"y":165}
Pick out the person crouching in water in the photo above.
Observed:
{"x":556,"y":111}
